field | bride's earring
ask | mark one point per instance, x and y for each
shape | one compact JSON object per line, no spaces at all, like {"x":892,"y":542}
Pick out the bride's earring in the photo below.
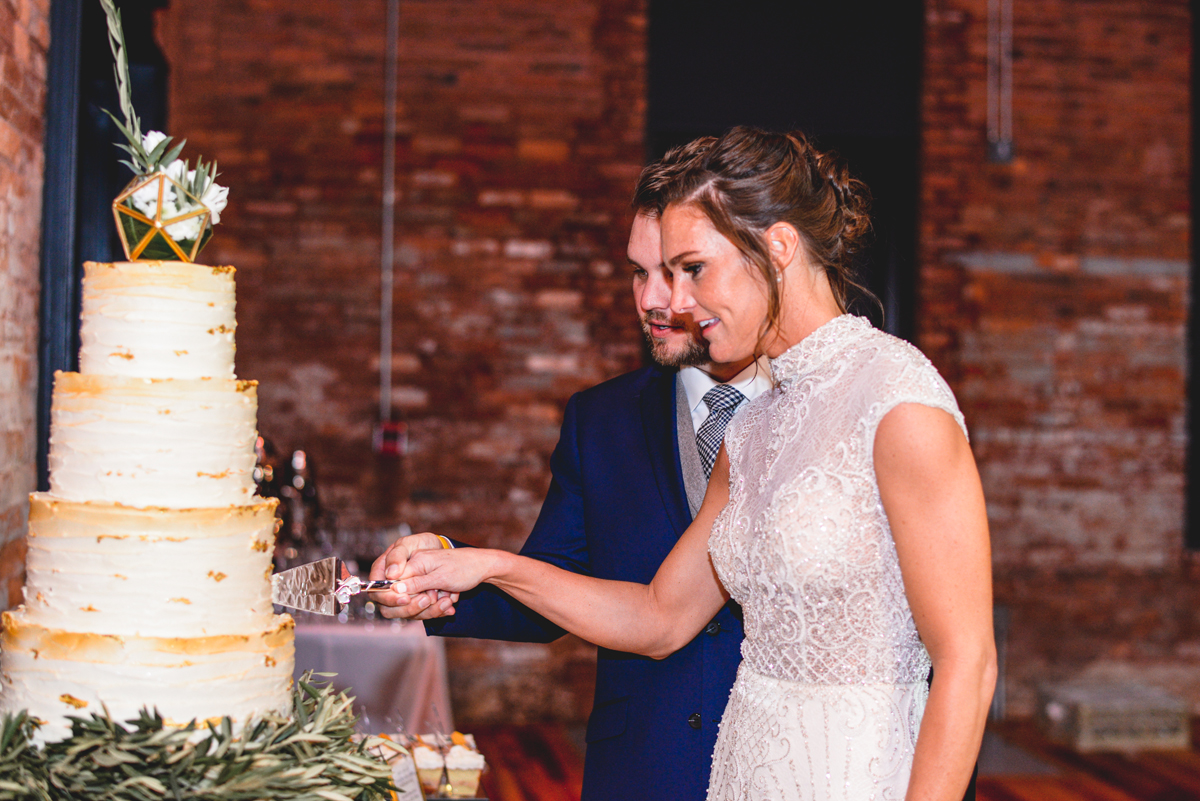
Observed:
{"x":778,"y":248}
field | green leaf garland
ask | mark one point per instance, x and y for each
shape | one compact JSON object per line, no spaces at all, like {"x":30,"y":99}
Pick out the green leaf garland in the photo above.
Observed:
{"x":312,"y":756}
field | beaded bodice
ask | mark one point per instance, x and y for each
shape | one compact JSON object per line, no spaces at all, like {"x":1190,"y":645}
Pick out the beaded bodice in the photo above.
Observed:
{"x":804,"y":545}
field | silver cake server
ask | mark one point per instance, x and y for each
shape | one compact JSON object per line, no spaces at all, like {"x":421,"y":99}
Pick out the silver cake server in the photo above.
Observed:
{"x":319,"y":586}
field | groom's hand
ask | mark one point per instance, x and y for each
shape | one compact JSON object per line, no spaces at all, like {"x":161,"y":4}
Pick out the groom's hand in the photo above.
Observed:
{"x":391,"y":565}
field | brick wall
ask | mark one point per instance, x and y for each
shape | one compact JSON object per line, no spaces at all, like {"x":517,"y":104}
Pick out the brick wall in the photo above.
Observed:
{"x":1052,"y":288}
{"x":24,"y":37}
{"x":1054,"y":294}
{"x":520,"y":135}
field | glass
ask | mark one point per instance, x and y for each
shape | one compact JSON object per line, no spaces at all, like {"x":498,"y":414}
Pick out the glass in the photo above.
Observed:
{"x":157,"y":219}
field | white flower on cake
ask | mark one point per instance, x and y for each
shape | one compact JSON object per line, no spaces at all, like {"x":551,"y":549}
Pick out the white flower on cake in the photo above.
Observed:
{"x":145,"y":199}
{"x":214,"y":198}
{"x":152,"y":139}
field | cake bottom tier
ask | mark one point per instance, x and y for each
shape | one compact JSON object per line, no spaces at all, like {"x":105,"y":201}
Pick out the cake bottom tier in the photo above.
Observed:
{"x":54,"y":673}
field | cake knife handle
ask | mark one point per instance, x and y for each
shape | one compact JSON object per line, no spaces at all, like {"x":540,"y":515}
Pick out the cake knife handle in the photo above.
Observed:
{"x":354,"y":585}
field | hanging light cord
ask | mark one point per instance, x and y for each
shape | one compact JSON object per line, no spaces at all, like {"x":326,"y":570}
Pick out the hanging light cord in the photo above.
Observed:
{"x":387,"y":251}
{"x":1000,"y":81}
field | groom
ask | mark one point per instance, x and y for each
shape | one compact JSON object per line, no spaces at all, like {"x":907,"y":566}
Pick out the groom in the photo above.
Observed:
{"x":628,"y":474}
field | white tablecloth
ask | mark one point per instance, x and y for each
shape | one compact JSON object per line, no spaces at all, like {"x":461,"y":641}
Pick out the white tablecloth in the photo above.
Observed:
{"x":397,"y":672}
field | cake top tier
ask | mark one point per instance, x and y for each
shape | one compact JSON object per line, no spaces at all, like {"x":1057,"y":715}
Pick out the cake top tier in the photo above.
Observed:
{"x":157,"y":319}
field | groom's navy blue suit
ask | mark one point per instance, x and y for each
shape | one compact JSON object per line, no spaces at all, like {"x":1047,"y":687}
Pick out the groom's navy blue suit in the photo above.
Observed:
{"x":615,"y":508}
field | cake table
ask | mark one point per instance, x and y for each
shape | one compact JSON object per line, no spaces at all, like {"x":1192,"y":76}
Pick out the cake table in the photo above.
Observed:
{"x":397,"y":672}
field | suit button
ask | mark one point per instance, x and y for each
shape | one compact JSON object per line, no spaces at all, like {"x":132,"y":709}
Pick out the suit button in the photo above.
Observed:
{"x":694,"y":720}
{"x":712,"y":629}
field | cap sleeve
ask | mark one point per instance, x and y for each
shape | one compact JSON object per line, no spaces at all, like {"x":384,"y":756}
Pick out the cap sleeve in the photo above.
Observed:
{"x":902,"y":374}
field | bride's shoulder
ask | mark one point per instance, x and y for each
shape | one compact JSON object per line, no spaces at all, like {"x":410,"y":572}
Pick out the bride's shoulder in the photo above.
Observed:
{"x":878,"y":351}
{"x":888,"y":371}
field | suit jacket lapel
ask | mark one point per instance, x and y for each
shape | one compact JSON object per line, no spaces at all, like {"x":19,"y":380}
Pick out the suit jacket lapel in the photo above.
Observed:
{"x":659,"y":425}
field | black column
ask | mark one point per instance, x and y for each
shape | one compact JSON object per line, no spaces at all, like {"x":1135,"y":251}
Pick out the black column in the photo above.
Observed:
{"x":83,"y":173}
{"x":848,"y":74}
{"x":60,"y":285}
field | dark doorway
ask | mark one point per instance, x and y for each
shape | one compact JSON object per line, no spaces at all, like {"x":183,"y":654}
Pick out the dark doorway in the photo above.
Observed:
{"x":847,"y":74}
{"x":83,"y":172}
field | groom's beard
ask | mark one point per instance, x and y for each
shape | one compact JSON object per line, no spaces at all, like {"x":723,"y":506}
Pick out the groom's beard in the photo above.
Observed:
{"x":692,"y":352}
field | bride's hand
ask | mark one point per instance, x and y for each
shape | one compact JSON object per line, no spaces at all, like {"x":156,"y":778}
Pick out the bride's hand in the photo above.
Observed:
{"x":451,"y":571}
{"x":391,"y":564}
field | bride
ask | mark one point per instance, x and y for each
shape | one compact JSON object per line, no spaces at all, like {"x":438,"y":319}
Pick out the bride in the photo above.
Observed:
{"x":844,"y":512}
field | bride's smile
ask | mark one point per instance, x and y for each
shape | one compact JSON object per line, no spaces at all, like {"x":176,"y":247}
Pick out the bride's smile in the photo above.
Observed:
{"x":712,"y":283}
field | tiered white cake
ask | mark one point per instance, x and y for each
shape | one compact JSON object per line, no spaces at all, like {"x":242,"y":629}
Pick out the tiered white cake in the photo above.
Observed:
{"x":149,"y":561}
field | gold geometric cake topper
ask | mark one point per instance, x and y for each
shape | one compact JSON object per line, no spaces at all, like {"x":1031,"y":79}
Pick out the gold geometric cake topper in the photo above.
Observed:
{"x":168,"y":211}
{"x":158,"y":219}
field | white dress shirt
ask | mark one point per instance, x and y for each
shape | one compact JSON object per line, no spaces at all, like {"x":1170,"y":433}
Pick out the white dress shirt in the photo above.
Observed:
{"x":754,"y":380}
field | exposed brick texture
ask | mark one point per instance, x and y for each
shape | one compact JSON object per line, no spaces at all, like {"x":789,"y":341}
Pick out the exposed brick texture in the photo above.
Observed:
{"x":520,"y":135}
{"x":24,"y":37}
{"x":1052,"y":288}
{"x":1054,"y":298}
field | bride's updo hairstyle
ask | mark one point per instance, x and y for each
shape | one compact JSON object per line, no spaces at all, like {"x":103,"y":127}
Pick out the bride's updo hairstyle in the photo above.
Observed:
{"x":750,"y":179}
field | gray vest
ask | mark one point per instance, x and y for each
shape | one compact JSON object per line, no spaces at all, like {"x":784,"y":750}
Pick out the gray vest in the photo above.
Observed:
{"x":694,"y":481}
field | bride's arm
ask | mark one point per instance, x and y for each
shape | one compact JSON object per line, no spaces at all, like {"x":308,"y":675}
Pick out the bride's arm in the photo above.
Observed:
{"x":654,"y":620}
{"x":934,"y":502}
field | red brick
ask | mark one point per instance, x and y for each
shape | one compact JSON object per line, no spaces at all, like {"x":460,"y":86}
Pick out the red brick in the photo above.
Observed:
{"x":1071,"y":376}
{"x":22,"y":73}
{"x":499,"y":213}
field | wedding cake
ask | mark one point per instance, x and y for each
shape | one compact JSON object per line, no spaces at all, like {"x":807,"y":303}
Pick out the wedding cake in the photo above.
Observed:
{"x":149,"y":560}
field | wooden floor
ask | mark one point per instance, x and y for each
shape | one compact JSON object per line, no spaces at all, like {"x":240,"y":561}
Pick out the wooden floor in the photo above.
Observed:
{"x":543,"y":763}
{"x":530,"y":763}
{"x":1104,"y":776}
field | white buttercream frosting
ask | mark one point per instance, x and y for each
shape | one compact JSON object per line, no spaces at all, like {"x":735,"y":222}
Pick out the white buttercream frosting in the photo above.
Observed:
{"x":157,"y":319}
{"x":176,"y":443}
{"x":55,"y":673}
{"x":149,"y":560}
{"x":110,"y":569}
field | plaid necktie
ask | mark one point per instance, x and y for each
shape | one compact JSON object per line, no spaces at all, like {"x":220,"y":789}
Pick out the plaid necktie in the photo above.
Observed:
{"x":722,"y":401}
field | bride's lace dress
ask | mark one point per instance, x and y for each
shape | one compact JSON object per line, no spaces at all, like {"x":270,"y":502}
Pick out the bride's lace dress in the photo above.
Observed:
{"x":832,"y":684}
